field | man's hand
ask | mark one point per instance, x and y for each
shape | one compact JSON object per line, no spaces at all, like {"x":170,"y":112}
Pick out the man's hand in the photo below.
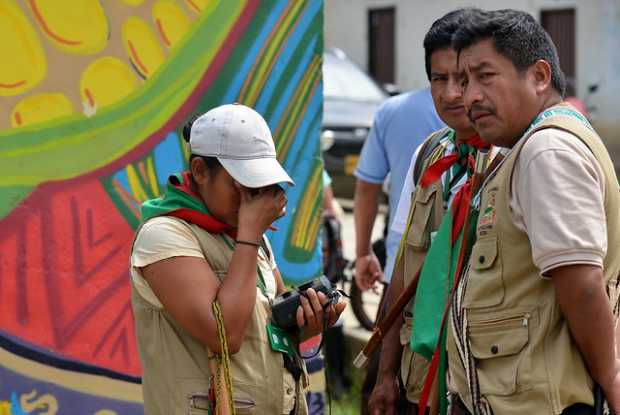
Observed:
{"x":315,"y":314}
{"x":384,"y":397}
{"x":367,"y":271}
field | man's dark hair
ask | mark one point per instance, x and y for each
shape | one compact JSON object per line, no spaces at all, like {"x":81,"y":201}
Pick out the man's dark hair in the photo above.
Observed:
{"x":516,"y":35}
{"x":439,"y":36}
{"x":212,"y":163}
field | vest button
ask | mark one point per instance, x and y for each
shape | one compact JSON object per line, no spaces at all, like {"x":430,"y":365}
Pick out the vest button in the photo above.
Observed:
{"x":289,"y":391}
{"x":494,"y":349}
{"x":481,"y":259}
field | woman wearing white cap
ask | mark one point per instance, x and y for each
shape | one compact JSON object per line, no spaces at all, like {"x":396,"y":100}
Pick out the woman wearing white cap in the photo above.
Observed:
{"x":202,"y":242}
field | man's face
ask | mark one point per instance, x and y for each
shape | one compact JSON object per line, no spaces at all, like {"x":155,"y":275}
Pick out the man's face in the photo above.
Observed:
{"x":446,"y":90}
{"x":500,"y":101}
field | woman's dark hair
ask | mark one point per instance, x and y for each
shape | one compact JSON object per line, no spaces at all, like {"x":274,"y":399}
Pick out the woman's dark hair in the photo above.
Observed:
{"x":439,"y":36}
{"x":517,"y":36}
{"x":212,"y":163}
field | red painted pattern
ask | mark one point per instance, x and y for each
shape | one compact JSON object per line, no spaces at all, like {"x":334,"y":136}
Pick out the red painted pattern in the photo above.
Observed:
{"x":64,"y":281}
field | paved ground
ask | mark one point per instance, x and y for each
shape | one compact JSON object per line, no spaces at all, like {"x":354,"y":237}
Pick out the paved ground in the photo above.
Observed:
{"x":351,"y":325}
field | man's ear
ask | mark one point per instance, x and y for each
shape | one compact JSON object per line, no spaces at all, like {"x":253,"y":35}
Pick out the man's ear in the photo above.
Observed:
{"x":541,"y":75}
{"x":198,"y":170}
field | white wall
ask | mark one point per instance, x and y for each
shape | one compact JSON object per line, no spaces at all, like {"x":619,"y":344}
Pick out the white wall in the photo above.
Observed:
{"x":346,"y":28}
{"x":597,"y":43}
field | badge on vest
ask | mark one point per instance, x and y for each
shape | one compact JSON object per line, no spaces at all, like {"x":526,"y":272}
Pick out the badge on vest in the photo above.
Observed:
{"x":280,"y":341}
{"x":488,"y":214}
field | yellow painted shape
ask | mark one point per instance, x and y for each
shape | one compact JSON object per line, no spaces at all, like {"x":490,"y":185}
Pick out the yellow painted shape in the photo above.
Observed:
{"x":40,"y":108}
{"x":74,"y":26}
{"x":5,"y":408}
{"x":141,"y":46}
{"x":171,"y":22}
{"x":46,"y":401}
{"x":200,"y":6}
{"x":104,"y":82}
{"x":133,"y":2}
{"x":22,"y":59}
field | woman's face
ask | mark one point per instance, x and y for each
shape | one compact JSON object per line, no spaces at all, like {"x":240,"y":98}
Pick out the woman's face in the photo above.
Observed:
{"x":218,"y":191}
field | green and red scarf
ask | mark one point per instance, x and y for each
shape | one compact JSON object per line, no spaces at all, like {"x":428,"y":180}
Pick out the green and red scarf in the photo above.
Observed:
{"x":444,"y":260}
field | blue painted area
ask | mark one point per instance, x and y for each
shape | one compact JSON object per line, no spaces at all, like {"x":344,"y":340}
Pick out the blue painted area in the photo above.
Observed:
{"x":69,"y":401}
{"x":287,"y":96}
{"x":251,"y":57}
{"x":294,"y":272}
{"x":168,"y":158}
{"x":307,"y":134}
{"x":316,"y":403}
{"x":16,"y":408}
{"x":121,"y":177}
{"x":288,"y":50}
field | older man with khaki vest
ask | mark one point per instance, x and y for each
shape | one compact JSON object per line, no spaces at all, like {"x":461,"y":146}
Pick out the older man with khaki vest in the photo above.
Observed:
{"x":532,"y":321}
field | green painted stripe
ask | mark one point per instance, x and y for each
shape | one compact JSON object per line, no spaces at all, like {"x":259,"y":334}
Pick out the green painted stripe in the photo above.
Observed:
{"x":290,"y":70}
{"x":76,"y":143}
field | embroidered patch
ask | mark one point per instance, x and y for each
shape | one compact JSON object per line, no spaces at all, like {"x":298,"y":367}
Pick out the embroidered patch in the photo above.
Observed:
{"x":488,"y":214}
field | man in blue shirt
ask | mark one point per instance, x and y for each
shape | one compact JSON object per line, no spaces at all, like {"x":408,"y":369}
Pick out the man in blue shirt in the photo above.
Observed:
{"x":400,"y":125}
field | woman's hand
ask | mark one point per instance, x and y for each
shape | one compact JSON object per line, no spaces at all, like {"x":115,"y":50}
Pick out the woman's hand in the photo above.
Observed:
{"x":258,"y":209}
{"x":312,"y":317}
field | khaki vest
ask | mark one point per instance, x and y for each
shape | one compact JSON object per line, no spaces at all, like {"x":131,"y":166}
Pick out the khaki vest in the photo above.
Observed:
{"x":526,"y":360}
{"x":426,"y":213}
{"x":176,"y":375}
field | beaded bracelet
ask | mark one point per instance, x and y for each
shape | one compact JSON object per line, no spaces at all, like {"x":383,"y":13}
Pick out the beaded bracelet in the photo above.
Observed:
{"x":257,"y":245}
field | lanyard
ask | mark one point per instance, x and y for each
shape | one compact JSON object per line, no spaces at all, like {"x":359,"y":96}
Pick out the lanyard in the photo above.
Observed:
{"x":554,"y":111}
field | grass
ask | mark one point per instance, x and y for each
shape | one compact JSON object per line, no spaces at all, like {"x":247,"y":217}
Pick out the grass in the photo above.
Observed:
{"x":349,"y":403}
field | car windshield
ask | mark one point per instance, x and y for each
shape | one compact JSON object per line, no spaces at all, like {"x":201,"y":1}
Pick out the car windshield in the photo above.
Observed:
{"x":343,"y":80}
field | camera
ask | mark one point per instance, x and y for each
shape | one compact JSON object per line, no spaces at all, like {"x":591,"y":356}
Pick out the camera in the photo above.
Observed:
{"x":284,"y":307}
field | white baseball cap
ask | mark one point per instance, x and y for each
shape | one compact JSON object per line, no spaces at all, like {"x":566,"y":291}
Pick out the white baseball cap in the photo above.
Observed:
{"x":240,"y":139}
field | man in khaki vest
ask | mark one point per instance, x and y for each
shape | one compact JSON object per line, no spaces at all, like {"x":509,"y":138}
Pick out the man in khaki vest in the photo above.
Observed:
{"x":532,"y":322}
{"x":421,"y":209}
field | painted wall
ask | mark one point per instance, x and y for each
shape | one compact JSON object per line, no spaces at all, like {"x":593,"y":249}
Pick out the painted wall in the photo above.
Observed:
{"x":93,"y":96}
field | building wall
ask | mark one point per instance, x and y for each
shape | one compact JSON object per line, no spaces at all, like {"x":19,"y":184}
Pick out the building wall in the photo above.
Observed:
{"x":597,"y":44}
{"x":91,"y":112}
{"x":413,"y":18}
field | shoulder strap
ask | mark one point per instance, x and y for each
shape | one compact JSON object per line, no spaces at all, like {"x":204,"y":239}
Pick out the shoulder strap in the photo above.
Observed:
{"x":265,"y":246}
{"x":428,"y":146}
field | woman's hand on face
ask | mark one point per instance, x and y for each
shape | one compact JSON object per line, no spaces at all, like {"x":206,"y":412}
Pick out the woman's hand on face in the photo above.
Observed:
{"x":259,"y":210}
{"x":314,"y":316}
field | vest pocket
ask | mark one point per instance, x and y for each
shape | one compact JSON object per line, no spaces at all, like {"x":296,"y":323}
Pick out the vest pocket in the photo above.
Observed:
{"x":192,"y":396}
{"x":199,"y":404}
{"x":485,"y":285}
{"x":418,"y":235}
{"x":497,"y":346}
{"x":413,"y":366}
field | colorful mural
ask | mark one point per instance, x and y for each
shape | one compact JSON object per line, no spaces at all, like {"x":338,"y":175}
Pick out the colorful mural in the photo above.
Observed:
{"x":93,"y":96}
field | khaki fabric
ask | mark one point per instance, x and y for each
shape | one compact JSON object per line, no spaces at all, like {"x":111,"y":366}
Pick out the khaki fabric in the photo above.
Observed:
{"x":525,"y":358}
{"x":426,"y":213}
{"x":166,"y":237}
{"x":176,"y":376}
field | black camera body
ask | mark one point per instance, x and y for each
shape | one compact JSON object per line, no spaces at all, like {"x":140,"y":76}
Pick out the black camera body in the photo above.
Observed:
{"x":284,"y":307}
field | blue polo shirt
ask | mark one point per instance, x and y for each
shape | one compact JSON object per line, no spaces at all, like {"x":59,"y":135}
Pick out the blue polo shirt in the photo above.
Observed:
{"x":400,"y":125}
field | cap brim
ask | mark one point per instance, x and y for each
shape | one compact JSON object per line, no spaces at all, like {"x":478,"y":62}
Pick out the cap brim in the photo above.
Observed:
{"x":259,"y":172}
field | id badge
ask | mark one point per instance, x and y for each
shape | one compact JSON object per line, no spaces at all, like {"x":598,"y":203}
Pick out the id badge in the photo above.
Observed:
{"x":279,"y":340}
